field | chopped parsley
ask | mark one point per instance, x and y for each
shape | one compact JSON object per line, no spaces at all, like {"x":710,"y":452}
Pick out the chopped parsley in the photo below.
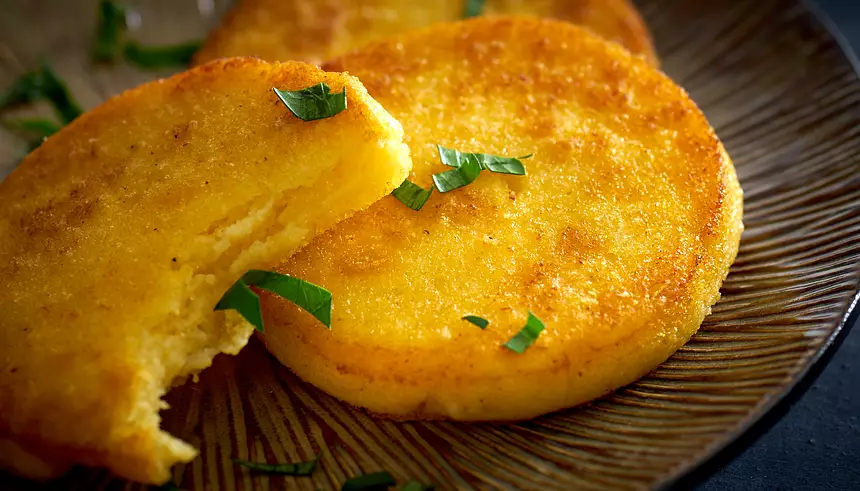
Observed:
{"x":473,"y":8}
{"x":111,"y":25}
{"x":375,"y":481}
{"x":160,"y":56}
{"x":110,"y":42}
{"x":527,"y":335}
{"x":42,"y":84}
{"x":35,"y":129}
{"x":467,"y":167}
{"x":412,"y":195}
{"x":478,"y":321}
{"x":312,"y":298}
{"x":313,"y":103}
{"x":288,"y":469}
{"x":417,"y":486}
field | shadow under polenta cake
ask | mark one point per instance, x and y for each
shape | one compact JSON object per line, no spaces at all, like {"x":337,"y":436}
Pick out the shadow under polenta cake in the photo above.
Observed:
{"x":120,"y":233}
{"x":318,"y":30}
{"x":618,"y":238}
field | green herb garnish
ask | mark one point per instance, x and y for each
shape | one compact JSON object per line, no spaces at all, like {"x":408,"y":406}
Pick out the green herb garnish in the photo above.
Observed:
{"x":313,"y":103}
{"x":412,"y":195}
{"x":36,"y":129}
{"x":467,"y":167}
{"x":42,"y":84}
{"x":111,"y":25}
{"x":478,"y":321}
{"x":377,"y":480}
{"x":110,"y":43}
{"x":417,"y":486}
{"x":314,"y":299}
{"x":160,"y":56}
{"x":527,"y":335}
{"x":473,"y":8}
{"x":297,"y":469}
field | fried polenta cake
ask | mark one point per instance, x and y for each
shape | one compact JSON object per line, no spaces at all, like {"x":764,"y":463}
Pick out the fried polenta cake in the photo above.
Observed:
{"x":318,"y":30}
{"x":119,"y":235}
{"x":617,"y":238}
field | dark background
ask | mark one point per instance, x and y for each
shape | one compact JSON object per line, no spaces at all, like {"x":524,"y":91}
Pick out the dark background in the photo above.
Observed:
{"x":816,"y":444}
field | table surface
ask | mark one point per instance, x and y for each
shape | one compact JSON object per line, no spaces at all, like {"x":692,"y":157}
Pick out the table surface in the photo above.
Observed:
{"x":816,"y":444}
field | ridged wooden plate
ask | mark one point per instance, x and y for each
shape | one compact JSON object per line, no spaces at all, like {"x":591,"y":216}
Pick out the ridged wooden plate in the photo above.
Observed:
{"x":786,"y":102}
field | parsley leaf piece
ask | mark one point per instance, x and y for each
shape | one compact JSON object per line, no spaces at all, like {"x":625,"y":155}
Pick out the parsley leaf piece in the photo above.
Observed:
{"x":367,"y":482}
{"x":314,"y":299}
{"x":473,"y":8}
{"x":478,"y":321}
{"x":467,"y":166}
{"x":313,"y":103}
{"x":504,"y":165}
{"x":453,"y":179}
{"x":42,"y":128}
{"x":527,"y":335}
{"x":412,"y":195}
{"x":111,"y":24}
{"x":286,"y":469}
{"x":417,"y":486}
{"x":243,"y":300}
{"x":160,"y":56}
{"x":36,"y":129}
{"x":42,"y":83}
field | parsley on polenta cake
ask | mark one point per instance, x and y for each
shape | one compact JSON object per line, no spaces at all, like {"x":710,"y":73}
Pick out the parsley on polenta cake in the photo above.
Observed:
{"x":487,"y":295}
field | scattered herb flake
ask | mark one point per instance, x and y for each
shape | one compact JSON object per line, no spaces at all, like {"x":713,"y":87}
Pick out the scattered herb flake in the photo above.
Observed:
{"x":375,"y":481}
{"x":473,"y":8}
{"x":288,"y":469}
{"x":527,"y":335}
{"x":467,"y":166}
{"x":453,"y":179}
{"x":243,"y":300}
{"x":314,"y":299}
{"x":42,"y":83}
{"x":313,"y":103}
{"x":160,"y":56}
{"x":417,"y":486}
{"x":42,"y":128}
{"x":412,"y":195}
{"x":111,"y":24}
{"x":478,"y":321}
{"x":36,"y":129}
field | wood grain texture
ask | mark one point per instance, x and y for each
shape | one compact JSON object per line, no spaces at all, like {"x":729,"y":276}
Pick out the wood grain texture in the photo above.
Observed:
{"x":786,"y":102}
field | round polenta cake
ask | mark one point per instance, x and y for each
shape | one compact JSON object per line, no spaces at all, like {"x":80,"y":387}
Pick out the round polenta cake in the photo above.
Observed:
{"x":617,"y":239}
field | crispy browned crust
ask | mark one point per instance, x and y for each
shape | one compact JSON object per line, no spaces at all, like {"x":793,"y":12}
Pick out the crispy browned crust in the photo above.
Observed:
{"x":619,"y":238}
{"x":120,"y":233}
{"x":315,"y":31}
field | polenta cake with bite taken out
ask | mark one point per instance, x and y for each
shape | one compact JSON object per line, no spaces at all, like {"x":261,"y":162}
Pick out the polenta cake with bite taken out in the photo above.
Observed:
{"x":530,"y":284}
{"x":120,"y":234}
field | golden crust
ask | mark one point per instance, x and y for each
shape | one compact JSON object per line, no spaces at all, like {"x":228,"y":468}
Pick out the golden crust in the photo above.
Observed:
{"x":618,"y":239}
{"x":121,"y":232}
{"x":316,"y":31}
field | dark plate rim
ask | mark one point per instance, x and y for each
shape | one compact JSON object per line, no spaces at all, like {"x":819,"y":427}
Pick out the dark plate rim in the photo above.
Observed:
{"x":773,"y":408}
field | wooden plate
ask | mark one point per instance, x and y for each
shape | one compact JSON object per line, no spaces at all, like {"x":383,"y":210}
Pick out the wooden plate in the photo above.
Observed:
{"x":784,"y":98}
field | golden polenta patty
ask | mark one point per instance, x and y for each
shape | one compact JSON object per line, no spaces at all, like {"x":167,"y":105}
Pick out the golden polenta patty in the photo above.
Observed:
{"x":318,"y":30}
{"x":618,"y":238}
{"x":120,"y":233}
